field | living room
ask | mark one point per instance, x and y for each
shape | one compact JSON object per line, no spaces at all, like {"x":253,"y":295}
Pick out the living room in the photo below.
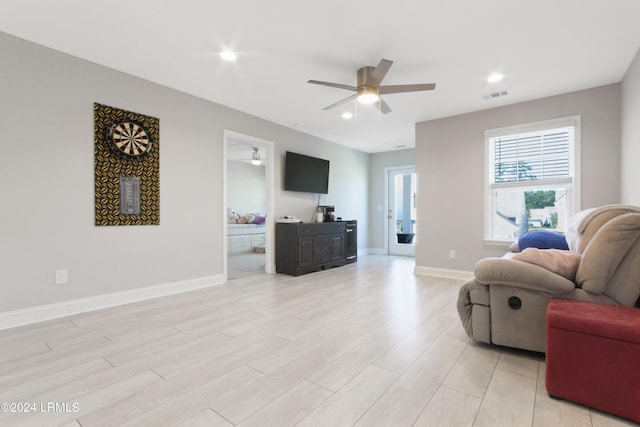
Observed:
{"x":47,"y":112}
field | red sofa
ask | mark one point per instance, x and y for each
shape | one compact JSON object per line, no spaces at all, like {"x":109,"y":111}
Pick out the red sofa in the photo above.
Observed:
{"x":593,"y":355}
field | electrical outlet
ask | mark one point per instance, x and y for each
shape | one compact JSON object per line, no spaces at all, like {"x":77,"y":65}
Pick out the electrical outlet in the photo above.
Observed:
{"x":62,"y":277}
{"x":452,"y":254}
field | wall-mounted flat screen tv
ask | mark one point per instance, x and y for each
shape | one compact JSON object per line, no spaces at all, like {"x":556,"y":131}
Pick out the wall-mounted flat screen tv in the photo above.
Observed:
{"x":306,"y":174}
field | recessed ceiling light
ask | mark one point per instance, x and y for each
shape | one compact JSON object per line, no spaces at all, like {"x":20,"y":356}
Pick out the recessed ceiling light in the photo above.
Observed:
{"x":495,"y":77}
{"x":228,"y":55}
{"x":347,"y":115}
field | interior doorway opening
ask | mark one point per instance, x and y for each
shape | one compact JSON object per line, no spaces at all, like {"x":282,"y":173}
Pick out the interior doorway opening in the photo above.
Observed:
{"x":248,"y":206}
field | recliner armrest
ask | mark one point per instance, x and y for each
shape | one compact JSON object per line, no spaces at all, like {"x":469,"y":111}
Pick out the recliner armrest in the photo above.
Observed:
{"x":501,"y":271}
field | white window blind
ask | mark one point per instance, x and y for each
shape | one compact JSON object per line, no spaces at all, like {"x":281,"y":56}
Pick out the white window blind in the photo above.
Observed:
{"x":532,"y":177}
{"x":534,"y":156}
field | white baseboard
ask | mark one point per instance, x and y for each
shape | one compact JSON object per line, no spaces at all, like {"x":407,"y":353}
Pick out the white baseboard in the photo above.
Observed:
{"x":443,"y":272}
{"x":377,"y":251}
{"x":11,"y":319}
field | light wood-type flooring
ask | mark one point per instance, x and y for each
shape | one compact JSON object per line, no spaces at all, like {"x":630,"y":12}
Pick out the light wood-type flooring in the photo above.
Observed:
{"x":245,"y":264}
{"x":368,"y":344}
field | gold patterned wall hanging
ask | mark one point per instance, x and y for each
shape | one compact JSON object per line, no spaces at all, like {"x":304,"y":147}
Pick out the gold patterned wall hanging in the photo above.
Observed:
{"x":127,"y":166}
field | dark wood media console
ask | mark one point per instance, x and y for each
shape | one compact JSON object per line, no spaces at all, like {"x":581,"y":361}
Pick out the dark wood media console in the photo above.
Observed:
{"x":302,"y":248}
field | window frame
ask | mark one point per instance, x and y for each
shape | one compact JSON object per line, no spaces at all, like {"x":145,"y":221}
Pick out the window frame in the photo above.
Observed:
{"x":573,"y":188}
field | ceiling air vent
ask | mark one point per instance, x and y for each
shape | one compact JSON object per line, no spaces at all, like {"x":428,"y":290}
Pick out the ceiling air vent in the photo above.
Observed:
{"x":496,"y":94}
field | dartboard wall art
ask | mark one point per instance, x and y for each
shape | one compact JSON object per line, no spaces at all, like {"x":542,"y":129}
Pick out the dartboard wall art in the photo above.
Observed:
{"x":129,"y":139}
{"x":127,"y":166}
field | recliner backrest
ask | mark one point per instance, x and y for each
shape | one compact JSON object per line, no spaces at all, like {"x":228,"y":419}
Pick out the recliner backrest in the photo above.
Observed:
{"x":610,"y":263}
{"x":582,"y":226}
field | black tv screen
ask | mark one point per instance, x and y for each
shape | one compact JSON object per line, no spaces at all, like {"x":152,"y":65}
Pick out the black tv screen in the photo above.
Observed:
{"x":306,"y":174}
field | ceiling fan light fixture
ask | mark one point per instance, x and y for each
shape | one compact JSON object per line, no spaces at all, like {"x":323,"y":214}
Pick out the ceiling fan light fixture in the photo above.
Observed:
{"x":347,"y":115}
{"x":367,"y":95}
{"x":255,"y":157}
{"x":369,"y":89}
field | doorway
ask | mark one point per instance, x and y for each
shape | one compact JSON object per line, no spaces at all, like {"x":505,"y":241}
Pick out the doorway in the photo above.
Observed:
{"x":401,"y":210}
{"x":249,"y":193}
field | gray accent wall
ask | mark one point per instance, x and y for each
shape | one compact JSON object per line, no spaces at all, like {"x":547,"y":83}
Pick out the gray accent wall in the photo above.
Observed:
{"x":631,"y":134}
{"x":47,"y":177}
{"x":378,"y":221}
{"x":47,"y":180}
{"x":450,"y":167}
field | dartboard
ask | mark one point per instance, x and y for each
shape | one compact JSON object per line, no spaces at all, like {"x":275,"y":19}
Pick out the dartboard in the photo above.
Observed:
{"x":129,"y":139}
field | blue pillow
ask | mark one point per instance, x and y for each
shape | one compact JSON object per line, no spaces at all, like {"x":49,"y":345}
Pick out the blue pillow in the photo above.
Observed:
{"x":543,"y":239}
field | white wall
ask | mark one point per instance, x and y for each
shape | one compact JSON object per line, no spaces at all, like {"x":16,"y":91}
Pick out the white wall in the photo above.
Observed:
{"x":450,"y":168}
{"x":630,"y":175}
{"x":47,"y":180}
{"x":246,"y":188}
{"x":348,"y":173}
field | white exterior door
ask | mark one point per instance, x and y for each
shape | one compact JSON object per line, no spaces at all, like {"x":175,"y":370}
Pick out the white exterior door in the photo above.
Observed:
{"x":401,"y":211}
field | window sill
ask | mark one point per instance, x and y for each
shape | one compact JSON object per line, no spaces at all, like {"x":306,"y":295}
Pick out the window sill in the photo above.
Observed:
{"x":503,"y":243}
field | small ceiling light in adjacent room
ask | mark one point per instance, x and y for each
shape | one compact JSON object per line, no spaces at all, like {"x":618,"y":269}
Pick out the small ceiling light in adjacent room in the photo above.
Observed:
{"x":228,"y":55}
{"x":255,"y":157}
{"x":495,"y":77}
{"x":347,"y":115}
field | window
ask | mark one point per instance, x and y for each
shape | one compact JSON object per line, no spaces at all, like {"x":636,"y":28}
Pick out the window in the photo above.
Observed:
{"x":532,"y":177}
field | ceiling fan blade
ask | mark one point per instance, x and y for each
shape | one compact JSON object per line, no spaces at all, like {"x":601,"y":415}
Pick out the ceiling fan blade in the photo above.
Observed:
{"x":375,"y":77}
{"x":406,"y":88}
{"x":342,"y":101}
{"x":383,"y":106}
{"x":336,"y":85}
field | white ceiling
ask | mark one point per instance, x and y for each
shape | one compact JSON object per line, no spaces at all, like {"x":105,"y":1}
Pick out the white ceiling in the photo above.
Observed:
{"x":544,"y":47}
{"x":241,"y":151}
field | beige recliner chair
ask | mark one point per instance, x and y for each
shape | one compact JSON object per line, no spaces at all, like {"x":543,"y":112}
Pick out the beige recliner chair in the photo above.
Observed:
{"x":505,"y":302}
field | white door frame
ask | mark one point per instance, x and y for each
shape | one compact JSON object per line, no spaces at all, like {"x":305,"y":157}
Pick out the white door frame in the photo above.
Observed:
{"x":391,"y":245}
{"x":270,"y":265}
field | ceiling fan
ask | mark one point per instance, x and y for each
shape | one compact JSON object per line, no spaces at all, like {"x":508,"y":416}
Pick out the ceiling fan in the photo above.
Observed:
{"x":369,"y":90}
